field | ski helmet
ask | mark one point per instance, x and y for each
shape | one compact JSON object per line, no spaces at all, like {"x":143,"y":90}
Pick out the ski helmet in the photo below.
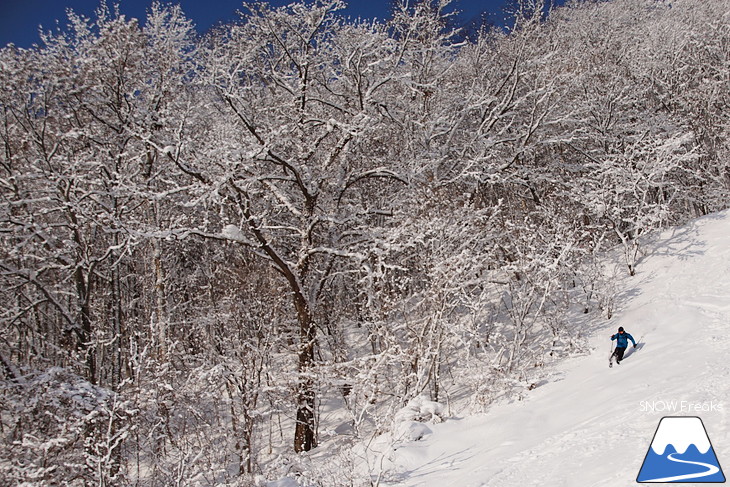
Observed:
{"x":620,"y":329}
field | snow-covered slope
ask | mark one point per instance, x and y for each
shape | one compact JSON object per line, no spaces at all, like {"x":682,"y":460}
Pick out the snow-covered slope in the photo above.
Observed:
{"x":594,"y":426}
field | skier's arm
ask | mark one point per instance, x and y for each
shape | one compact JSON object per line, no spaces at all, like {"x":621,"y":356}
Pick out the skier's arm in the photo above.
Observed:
{"x":631,"y":338}
{"x":613,"y":337}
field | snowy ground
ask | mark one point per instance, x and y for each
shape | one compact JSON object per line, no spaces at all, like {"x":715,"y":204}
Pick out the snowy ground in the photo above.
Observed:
{"x":593,"y":426}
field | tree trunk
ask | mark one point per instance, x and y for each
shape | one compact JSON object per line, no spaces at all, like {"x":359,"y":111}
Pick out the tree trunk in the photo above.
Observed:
{"x":84,"y":332}
{"x":304,"y":433}
{"x":160,"y":321}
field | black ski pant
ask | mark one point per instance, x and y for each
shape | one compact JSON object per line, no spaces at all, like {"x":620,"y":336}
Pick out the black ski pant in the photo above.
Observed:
{"x":619,"y":353}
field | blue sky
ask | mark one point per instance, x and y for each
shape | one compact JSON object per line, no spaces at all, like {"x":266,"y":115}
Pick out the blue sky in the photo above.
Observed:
{"x":19,"y":19}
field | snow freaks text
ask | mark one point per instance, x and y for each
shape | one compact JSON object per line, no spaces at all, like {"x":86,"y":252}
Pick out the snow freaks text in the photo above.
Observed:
{"x":675,"y":406}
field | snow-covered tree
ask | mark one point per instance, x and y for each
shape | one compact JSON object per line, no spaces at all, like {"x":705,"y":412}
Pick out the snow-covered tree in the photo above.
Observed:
{"x":219,"y":243}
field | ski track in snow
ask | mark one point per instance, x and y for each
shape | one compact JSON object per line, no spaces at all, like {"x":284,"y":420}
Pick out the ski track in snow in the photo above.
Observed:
{"x":589,"y":429}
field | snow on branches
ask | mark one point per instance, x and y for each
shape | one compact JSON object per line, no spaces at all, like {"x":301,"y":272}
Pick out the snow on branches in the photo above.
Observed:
{"x":278,"y":235}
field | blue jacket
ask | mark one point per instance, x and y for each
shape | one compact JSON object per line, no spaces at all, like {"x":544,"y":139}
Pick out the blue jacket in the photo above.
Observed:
{"x":623,"y":339}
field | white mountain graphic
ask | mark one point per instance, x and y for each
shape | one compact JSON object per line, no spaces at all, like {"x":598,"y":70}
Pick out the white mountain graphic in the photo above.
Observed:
{"x":681,"y":432}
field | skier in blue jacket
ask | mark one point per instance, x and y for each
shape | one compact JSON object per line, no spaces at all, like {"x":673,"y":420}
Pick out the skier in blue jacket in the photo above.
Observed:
{"x":622,"y":341}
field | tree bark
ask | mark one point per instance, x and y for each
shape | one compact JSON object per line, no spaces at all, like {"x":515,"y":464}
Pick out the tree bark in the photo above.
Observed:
{"x":304,"y":432}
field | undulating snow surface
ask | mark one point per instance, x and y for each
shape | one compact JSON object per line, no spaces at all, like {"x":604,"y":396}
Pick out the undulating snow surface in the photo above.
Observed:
{"x":593,"y":426}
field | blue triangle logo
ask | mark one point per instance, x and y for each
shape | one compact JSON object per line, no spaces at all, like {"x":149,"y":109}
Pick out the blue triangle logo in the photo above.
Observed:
{"x":681,"y":452}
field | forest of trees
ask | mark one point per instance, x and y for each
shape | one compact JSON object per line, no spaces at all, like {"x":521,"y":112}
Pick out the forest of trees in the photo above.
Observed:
{"x":220,"y":254}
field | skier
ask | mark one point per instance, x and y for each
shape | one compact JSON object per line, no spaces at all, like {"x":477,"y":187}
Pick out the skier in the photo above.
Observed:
{"x":622,"y":341}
